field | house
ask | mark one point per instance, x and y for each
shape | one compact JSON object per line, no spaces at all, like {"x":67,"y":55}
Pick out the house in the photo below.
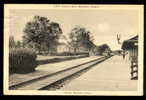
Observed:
{"x":62,"y":47}
{"x":131,"y":45}
{"x":94,"y":51}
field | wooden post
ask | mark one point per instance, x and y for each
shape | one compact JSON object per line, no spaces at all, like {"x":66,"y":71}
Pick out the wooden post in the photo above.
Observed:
{"x":134,"y":68}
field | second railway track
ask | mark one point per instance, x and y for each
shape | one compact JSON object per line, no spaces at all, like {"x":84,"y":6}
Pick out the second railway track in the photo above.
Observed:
{"x":47,"y":80}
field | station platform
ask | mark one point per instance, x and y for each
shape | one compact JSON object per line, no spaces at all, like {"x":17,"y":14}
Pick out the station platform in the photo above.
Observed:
{"x":110,"y":75}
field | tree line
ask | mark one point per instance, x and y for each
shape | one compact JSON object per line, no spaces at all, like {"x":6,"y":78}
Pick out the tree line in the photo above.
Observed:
{"x":43,"y":34}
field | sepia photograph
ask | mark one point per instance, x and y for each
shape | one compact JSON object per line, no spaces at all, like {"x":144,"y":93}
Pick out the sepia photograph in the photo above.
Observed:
{"x":64,"y":49}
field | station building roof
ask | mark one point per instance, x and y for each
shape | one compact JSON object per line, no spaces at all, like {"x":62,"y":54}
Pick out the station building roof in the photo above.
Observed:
{"x":131,"y":43}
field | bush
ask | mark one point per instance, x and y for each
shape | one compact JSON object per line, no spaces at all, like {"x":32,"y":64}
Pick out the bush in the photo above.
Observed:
{"x":22,"y":60}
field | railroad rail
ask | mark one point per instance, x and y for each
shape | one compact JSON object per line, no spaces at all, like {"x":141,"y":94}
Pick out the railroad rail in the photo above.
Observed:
{"x":45,"y":81}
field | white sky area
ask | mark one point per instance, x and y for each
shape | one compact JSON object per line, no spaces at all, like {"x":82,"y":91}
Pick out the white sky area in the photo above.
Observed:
{"x":103,"y":24}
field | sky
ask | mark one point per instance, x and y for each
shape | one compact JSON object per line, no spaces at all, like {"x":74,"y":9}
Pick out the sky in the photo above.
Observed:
{"x":104,"y":24}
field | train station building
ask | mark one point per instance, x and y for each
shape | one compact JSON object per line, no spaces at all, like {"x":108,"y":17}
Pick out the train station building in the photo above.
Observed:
{"x":131,"y":45}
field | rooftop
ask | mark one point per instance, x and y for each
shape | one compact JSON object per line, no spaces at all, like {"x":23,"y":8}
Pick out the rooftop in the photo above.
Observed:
{"x":130,"y":43}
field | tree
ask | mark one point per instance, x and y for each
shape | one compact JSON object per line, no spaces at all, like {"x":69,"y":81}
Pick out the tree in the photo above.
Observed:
{"x":12,"y":43}
{"x":18,"y":44}
{"x":42,"y":33}
{"x":103,"y":48}
{"x":80,"y":38}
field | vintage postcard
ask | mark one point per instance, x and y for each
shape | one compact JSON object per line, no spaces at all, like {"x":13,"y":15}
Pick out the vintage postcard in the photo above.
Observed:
{"x":64,"y":49}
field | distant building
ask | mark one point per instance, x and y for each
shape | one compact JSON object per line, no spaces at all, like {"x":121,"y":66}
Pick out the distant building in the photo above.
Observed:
{"x":107,"y":52}
{"x":94,"y":51}
{"x":101,"y":50}
{"x":62,"y":47}
{"x":131,"y":45}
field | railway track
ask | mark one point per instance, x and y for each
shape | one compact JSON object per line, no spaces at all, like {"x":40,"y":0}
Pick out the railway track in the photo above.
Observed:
{"x":44,"y":82}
